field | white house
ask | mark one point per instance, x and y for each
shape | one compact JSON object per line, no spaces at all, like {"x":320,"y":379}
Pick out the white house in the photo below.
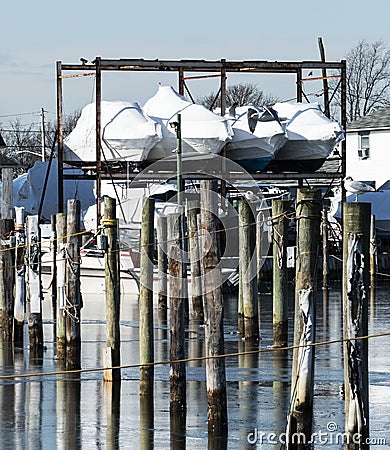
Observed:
{"x":368,"y":148}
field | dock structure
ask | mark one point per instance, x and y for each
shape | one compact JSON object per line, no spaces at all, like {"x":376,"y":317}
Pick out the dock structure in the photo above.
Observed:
{"x":331,"y":173}
{"x":218,"y":69}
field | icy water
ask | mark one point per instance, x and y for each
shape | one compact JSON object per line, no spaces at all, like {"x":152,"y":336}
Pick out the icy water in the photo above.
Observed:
{"x":81,"y":412}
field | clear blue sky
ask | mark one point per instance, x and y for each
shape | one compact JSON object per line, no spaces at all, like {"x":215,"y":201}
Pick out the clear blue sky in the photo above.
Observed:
{"x":35,"y":34}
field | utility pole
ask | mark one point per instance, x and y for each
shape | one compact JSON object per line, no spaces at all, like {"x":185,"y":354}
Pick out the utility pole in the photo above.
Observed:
{"x":43,"y":137}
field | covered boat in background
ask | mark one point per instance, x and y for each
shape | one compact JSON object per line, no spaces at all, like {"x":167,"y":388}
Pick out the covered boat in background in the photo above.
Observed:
{"x":127,"y":134}
{"x":258,"y":135}
{"x":202,"y":131}
{"x":311,"y":137}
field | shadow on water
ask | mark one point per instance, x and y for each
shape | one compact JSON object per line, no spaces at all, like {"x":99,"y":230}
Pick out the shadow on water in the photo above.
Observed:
{"x":82,"y":412}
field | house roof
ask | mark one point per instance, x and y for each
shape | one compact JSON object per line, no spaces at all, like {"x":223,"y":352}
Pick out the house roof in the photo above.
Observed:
{"x":375,"y":120}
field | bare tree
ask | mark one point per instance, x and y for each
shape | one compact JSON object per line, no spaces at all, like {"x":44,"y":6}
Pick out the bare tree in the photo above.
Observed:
{"x":23,"y":142}
{"x":368,"y":78}
{"x":239,"y":94}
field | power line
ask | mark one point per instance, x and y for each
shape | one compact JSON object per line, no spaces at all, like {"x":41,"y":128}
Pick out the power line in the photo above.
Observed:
{"x":21,"y":114}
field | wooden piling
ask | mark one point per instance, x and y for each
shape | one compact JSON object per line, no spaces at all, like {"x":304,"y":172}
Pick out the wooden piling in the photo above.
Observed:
{"x":6,"y":192}
{"x":356,"y":242}
{"x":248,"y":270}
{"x":20,"y":292}
{"x":193,"y":211}
{"x":34,"y":288}
{"x":325,"y":252}
{"x":112,"y":288}
{"x":73,"y":294}
{"x":280,"y":280}
{"x":308,"y":213}
{"x":146,"y":343}
{"x":176,"y":316}
{"x":373,"y":253}
{"x":162,"y":261}
{"x":213,"y":310}
{"x":7,"y":273}
{"x":53,"y":282}
{"x":61,"y":285}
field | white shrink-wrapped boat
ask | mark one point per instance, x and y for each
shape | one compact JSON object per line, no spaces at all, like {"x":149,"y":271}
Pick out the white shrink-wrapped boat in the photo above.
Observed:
{"x":311,"y":137}
{"x":202,"y":131}
{"x":258,"y":135}
{"x":127,"y":134}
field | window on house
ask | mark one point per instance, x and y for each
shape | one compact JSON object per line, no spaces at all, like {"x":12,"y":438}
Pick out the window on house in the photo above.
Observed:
{"x":364,"y":145}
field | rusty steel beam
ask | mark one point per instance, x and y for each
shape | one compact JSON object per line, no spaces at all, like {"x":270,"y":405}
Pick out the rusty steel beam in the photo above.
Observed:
{"x":203,"y":65}
{"x":228,"y":176}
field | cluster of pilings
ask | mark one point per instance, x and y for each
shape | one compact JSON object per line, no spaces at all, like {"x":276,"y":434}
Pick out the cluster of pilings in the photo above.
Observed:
{"x":20,"y":262}
{"x":207,"y":302}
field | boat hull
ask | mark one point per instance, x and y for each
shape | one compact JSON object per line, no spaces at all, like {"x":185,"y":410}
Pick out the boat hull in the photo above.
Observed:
{"x":255,"y":164}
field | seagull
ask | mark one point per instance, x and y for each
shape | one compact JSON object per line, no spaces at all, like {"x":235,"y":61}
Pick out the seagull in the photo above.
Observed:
{"x":251,"y":197}
{"x":356,"y":187}
{"x":252,"y":116}
{"x":83,"y":61}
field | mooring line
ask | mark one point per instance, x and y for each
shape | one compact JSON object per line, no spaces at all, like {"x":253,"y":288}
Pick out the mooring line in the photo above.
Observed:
{"x":186,"y":360}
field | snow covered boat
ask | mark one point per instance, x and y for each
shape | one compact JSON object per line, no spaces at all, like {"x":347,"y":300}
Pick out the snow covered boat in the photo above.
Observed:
{"x":311,"y":137}
{"x":202,"y":131}
{"x":258,"y":135}
{"x":127,"y":134}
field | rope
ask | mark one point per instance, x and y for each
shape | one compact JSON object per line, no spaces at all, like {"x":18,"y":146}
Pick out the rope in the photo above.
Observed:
{"x":186,"y":360}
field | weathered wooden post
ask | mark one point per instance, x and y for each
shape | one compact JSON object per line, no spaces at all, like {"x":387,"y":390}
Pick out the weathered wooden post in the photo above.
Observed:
{"x":34,"y":293}
{"x":112,"y":285}
{"x":7,"y":273}
{"x":193,"y":211}
{"x":280,"y":281}
{"x":53,"y":250}
{"x":308,"y":213}
{"x":6,"y":192}
{"x":146,"y":343}
{"x":73,"y":295}
{"x":61,"y":285}
{"x":20,"y":292}
{"x":373,"y":254}
{"x":240,"y":302}
{"x":325,"y":269}
{"x":356,"y":243}
{"x":248,"y":270}
{"x":176,"y":316}
{"x":213,"y":310}
{"x":162,"y":261}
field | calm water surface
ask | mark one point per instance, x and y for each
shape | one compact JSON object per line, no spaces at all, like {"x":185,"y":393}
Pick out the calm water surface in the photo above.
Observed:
{"x":81,"y":412}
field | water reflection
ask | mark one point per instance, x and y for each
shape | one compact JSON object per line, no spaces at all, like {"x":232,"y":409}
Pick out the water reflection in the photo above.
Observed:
{"x":74,"y":412}
{"x":280,"y":391}
{"x":112,"y":393}
{"x":248,"y":388}
{"x":177,"y":429}
{"x":146,"y":425}
{"x":73,"y":435}
{"x":217,"y":442}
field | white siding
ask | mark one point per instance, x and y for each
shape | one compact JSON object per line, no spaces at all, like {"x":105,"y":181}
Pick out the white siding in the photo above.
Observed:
{"x":377,"y":167}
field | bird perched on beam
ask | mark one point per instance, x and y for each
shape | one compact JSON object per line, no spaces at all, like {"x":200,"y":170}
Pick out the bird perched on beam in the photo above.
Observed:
{"x":83,"y":61}
{"x":253,"y":117}
{"x":356,"y":187}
